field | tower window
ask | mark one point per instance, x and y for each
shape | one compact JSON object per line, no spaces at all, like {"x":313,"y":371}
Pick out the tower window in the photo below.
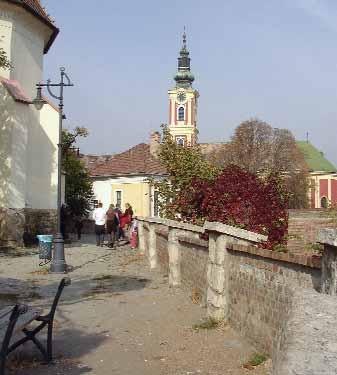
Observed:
{"x":180,"y":141}
{"x":181,"y":114}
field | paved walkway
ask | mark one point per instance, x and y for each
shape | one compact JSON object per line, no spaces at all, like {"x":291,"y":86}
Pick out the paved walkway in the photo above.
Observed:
{"x":117,"y":317}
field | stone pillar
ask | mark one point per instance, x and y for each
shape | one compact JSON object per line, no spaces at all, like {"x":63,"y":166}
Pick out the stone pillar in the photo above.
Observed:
{"x":174,"y":258}
{"x":152,"y":246}
{"x":141,"y":238}
{"x":328,"y":237}
{"x":217,"y":274}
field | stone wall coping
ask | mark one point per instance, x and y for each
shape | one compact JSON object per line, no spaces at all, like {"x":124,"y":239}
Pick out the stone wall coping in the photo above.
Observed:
{"x":172,"y":224}
{"x":185,"y":238}
{"x":312,"y":261}
{"x":328,"y":236}
{"x":234,"y":232}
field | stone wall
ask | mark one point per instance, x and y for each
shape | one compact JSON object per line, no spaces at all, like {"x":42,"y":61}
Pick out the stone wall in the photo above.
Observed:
{"x":193,"y":266}
{"x":14,"y":222}
{"x":260,"y":292}
{"x":162,"y":249}
{"x":268,"y":297}
{"x":304,"y":226}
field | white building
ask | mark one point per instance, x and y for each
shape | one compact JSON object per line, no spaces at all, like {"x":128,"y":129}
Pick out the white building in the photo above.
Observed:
{"x":28,"y":138}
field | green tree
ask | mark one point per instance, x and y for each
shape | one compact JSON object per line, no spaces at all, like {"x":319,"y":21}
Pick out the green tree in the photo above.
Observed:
{"x":4,"y":62}
{"x":182,"y":164}
{"x":78,"y":184}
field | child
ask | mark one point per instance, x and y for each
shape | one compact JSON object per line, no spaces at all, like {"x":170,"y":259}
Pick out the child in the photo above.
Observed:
{"x":134,"y":234}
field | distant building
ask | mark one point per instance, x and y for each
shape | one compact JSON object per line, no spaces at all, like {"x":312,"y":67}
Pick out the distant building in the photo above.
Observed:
{"x":323,"y":176}
{"x":124,"y":178}
{"x":28,"y":138}
{"x":183,"y":102}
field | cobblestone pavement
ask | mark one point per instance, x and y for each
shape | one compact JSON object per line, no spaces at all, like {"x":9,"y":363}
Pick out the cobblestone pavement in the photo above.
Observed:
{"x":118,"y":317}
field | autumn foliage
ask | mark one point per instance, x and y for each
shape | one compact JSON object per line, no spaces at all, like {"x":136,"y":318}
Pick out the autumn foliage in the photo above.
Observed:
{"x":239,"y":198}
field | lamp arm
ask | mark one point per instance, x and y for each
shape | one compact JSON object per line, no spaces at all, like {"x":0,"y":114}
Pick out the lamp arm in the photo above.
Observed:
{"x":50,"y":92}
{"x":68,"y":79}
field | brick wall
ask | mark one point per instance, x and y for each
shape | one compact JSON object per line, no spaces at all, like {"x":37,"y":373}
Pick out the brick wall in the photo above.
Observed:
{"x":260,"y":292}
{"x":303,"y":229}
{"x":162,"y":251}
{"x":193,"y":263}
{"x":271,"y":298}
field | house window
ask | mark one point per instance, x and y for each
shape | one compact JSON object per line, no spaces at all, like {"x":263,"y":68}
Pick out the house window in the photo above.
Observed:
{"x":118,"y":198}
{"x":181,"y":114}
{"x":324,"y":202}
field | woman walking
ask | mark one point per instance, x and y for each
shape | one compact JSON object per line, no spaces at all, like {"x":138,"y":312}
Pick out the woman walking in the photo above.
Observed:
{"x":126,"y":220}
{"x":112,"y":223}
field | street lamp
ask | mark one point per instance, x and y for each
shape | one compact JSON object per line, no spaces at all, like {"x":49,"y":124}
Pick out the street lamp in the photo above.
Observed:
{"x":58,"y":264}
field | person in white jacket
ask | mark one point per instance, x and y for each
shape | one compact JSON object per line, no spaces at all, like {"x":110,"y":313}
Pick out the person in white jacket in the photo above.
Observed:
{"x":99,"y":216}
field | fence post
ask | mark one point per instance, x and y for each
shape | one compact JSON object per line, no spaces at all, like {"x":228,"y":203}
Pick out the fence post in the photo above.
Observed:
{"x":174,"y":258}
{"x":328,"y":237}
{"x":141,"y":238}
{"x":217,"y":274}
{"x":152,"y":246}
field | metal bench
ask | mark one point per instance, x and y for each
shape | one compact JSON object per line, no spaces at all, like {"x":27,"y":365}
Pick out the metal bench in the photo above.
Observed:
{"x":15,"y":320}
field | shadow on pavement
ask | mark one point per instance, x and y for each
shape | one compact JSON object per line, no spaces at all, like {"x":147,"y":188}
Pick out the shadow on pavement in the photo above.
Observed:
{"x":70,"y":345}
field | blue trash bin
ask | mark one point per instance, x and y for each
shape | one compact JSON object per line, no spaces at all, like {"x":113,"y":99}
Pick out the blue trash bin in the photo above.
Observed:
{"x":45,"y":246}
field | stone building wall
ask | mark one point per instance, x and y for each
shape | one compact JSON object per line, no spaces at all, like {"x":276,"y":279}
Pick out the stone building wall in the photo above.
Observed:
{"x":14,"y":221}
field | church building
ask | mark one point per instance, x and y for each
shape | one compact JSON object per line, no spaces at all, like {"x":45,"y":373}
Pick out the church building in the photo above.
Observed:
{"x":183,"y":102}
{"x":28,"y":138}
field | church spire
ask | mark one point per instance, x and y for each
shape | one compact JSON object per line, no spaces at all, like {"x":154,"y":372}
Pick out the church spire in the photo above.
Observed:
{"x":184,"y":77}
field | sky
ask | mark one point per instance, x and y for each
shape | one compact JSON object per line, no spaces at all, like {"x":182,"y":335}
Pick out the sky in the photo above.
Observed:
{"x":271,"y":59}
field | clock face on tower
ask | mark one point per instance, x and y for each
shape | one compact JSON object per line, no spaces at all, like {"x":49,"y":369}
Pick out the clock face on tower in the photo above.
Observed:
{"x":181,"y":96}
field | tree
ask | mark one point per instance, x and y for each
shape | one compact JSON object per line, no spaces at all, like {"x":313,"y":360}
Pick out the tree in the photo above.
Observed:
{"x":4,"y":62}
{"x":259,"y":148}
{"x":182,"y":164}
{"x":78,"y":185}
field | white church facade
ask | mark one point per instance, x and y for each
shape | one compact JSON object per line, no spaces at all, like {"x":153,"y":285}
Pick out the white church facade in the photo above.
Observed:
{"x":28,"y":138}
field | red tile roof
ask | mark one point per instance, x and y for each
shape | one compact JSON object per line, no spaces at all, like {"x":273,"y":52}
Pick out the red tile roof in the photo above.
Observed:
{"x":136,"y":161}
{"x":35,"y":7}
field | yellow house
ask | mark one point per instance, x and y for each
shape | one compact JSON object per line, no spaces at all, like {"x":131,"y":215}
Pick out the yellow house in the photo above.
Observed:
{"x":123,"y":178}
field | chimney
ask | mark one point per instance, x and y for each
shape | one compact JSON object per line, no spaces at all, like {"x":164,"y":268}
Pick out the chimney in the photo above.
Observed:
{"x":155,"y":139}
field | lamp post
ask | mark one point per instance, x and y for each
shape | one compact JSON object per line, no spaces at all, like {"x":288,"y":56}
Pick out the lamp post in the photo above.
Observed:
{"x":58,"y":264}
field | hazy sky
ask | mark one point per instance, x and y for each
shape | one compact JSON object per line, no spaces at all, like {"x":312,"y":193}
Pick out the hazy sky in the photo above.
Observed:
{"x":272,"y":59}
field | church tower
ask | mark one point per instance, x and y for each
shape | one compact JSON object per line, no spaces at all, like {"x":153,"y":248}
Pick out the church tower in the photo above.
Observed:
{"x":183,"y":102}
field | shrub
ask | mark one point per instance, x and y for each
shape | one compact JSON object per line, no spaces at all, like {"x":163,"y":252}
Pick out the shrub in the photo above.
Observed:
{"x":239,"y":198}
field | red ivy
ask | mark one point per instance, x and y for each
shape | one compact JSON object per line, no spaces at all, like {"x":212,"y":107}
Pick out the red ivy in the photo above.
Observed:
{"x":239,"y":198}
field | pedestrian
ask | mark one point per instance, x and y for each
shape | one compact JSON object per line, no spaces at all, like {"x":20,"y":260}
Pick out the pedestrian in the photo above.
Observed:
{"x":126,"y":219}
{"x":112,"y":223}
{"x":134,"y":234}
{"x":119,"y":213}
{"x":99,"y":217}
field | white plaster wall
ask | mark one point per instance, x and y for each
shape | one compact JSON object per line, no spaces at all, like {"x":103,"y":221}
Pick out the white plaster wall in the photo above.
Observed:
{"x":27,"y":148}
{"x":23,"y":37}
{"x":103,"y":187}
{"x":102,"y":191}
{"x":41,"y":191}
{"x":15,"y":119}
